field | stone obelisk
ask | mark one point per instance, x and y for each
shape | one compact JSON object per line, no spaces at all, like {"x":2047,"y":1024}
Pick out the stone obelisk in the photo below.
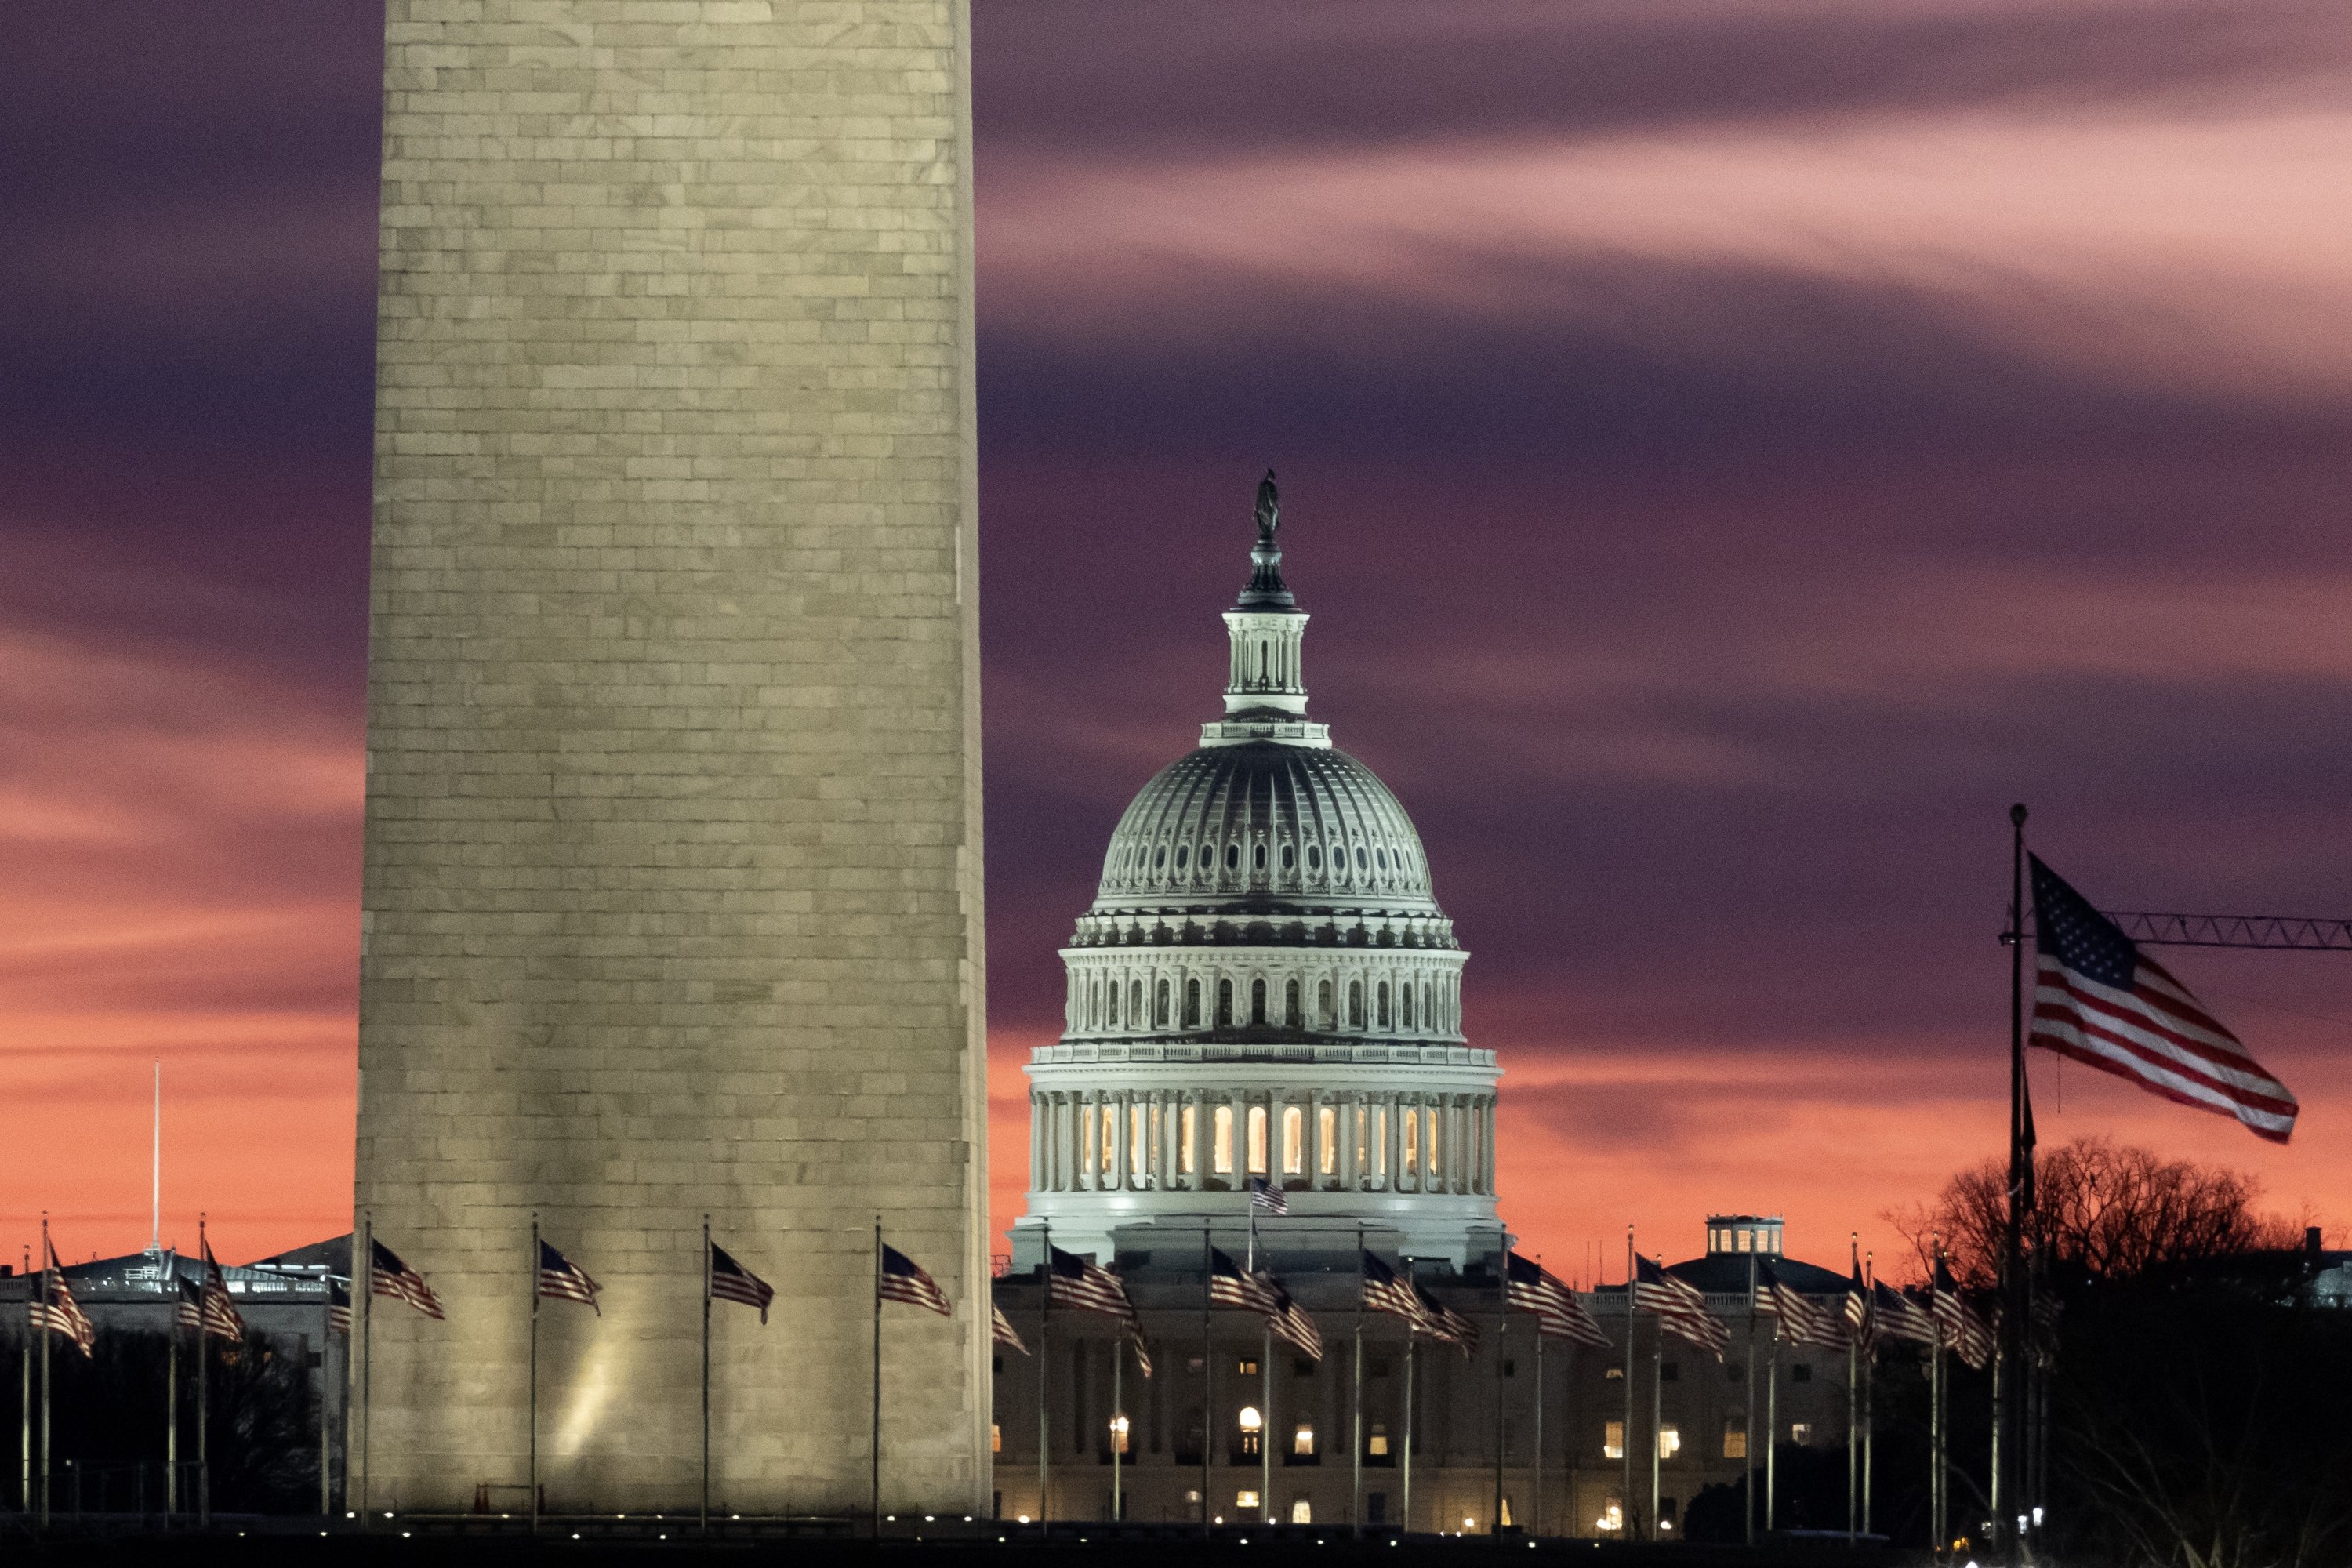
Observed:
{"x":673,"y":846}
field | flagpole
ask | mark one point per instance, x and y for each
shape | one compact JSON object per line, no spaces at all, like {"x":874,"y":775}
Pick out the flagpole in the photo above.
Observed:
{"x":1853,"y":1406}
{"x":364,"y":1304}
{"x":2020,"y":1156}
{"x":1658,"y":1419}
{"x":1625,"y":1531}
{"x":1535,"y":1522}
{"x":204,"y":1392}
{"x":1869,"y":1401}
{"x":1355,"y":1405}
{"x":875,"y":1461}
{"x":1502,"y":1326}
{"x":326,"y":1349}
{"x":49,"y":1301}
{"x":1265,"y":1429}
{"x":1748,"y":1471}
{"x":534,"y":1374}
{"x":1412,"y":1365}
{"x":1209,"y":1375}
{"x":706,"y":1374}
{"x":1118,"y":1433}
{"x":1045,"y":1320}
{"x":25,"y":1376}
{"x":1772,"y":1434}
{"x":1936,"y":1437}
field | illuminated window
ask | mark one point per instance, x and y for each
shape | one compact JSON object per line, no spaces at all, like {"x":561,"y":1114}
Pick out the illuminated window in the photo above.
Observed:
{"x":1327,"y":1141}
{"x":1138,"y":1146}
{"x":1800,"y":1432}
{"x":1245,"y":1500}
{"x":1410,"y":1141}
{"x":1612,"y":1518}
{"x":1220,"y":1152}
{"x":1109,"y":1138}
{"x":1253,"y":1427}
{"x":1302,"y":1513}
{"x":1612,"y":1440}
{"x":1187,"y":1122}
{"x":1670,"y":1440}
{"x":1294,"y":1141}
{"x":1735,"y":1439}
{"x":1380,"y":1140}
{"x":1258,"y":1140}
{"x":1087,"y":1139}
{"x":1613,"y":1373}
{"x":1504,"y":1518}
{"x":1247,"y":1367}
{"x":1119,"y":1435}
{"x":1377,"y":1444}
{"x":1429,"y":1125}
{"x":995,"y":1439}
{"x":1303,"y":1440}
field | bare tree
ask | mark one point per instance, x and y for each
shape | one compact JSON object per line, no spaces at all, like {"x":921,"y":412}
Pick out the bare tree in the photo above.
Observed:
{"x":2100,"y":1213}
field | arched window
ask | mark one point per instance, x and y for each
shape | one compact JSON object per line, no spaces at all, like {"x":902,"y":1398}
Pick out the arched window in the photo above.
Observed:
{"x":1355,"y":1003}
{"x":1109,"y":1138}
{"x":1322,"y":1003}
{"x":1224,"y":1003}
{"x":1429,"y":1140}
{"x":1294,"y":1141}
{"x":1192,"y":1004}
{"x":1257,"y":1001}
{"x":1221,"y":1152}
{"x":1111,"y":1016}
{"x":1290,"y":1004}
{"x":1159,"y":1004}
{"x":1382,"y":998}
{"x":1405,"y":1000}
{"x":1409,"y":1141}
{"x":1258,"y":1140}
{"x":1327,"y":1141}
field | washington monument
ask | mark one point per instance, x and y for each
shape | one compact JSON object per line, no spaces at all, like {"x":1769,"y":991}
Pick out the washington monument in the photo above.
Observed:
{"x":673,"y":846}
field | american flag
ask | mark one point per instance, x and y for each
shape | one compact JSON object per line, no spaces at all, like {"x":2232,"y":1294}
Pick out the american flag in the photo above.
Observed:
{"x":1386,"y":1291}
{"x":1081,"y":1282}
{"x":1859,"y":1321}
{"x":190,"y":1313}
{"x":1803,"y":1320}
{"x":1000,"y":1328}
{"x":1262,"y":1293}
{"x":58,"y":1312}
{"x":338,"y":1307}
{"x":1291,"y":1323}
{"x":731,"y":1281}
{"x":1558,"y":1314}
{"x":1268,"y":1198}
{"x":2099,"y":999}
{"x":1681,"y":1308}
{"x":561,"y":1279}
{"x":219,"y":1314}
{"x":1962,"y":1329}
{"x":1896,"y":1315}
{"x":388,"y":1276}
{"x":1445,"y":1323}
{"x":903,"y":1279}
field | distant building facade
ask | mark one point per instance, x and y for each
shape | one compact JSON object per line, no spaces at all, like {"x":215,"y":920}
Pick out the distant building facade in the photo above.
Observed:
{"x":1266,"y":988}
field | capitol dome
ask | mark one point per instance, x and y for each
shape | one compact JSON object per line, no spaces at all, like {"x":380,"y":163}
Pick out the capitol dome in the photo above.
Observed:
{"x":1263,"y":988}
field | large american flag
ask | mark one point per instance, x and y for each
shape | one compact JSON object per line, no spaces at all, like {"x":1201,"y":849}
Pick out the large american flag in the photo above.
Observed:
{"x":1264,"y":1294}
{"x":218,"y":1312}
{"x":1386,"y":1291}
{"x":388,"y":1276}
{"x":1680,"y":1305}
{"x":189,"y":1311}
{"x":731,"y":1281}
{"x":1558,"y":1314}
{"x":901,"y":1279}
{"x":1268,"y":1198}
{"x":1081,"y":1282}
{"x":561,"y":1279}
{"x":1962,"y":1329}
{"x":339,"y":1308}
{"x":1803,"y":1319}
{"x":1443,"y":1322}
{"x":1859,"y":1321}
{"x":1000,"y":1330}
{"x":1897,"y":1316}
{"x":2099,"y":999}
{"x":58,"y":1312}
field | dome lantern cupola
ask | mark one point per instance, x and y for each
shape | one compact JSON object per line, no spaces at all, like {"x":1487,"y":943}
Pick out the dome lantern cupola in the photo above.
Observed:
{"x":1266,"y":689}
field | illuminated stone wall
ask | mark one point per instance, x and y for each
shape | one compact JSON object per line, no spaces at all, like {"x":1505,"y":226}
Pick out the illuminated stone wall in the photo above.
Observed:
{"x":673,"y":875}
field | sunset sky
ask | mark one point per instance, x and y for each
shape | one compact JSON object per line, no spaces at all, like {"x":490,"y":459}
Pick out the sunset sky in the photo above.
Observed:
{"x":1730,"y":450}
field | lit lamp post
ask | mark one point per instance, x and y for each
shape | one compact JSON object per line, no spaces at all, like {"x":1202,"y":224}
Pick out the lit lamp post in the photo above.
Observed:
{"x":1118,"y":1457}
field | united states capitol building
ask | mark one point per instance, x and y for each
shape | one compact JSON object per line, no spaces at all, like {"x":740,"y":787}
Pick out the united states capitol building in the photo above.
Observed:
{"x":1265,"y":987}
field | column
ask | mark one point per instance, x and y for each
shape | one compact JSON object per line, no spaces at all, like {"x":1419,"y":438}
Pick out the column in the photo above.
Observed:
{"x":1036,"y":1142}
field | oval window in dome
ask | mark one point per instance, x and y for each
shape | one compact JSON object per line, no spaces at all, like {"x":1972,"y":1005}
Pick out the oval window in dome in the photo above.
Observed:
{"x":1380,"y":859}
{"x":1159,"y":856}
{"x":1184,"y":854}
{"x":1232,"y":856}
{"x":1289,"y":857}
{"x":1359,"y":857}
{"x":1258,"y":858}
{"x":1315,"y":857}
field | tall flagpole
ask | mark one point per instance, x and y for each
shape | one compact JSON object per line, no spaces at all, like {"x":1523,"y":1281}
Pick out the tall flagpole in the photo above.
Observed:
{"x":1869,"y":1402}
{"x":1935,"y":1439}
{"x":49,"y":1300}
{"x":326,"y":1349}
{"x":172,"y":1400}
{"x":1045,"y":1320}
{"x":204,"y":1392}
{"x":1748,"y":1471}
{"x":1411,"y":1364}
{"x":1355,"y":1405}
{"x":1209,"y":1375}
{"x":1658,"y":1421}
{"x":534,"y":1374}
{"x":155,"y":1171}
{"x":1625,"y":1530}
{"x":706,"y":1374}
{"x":1118,"y":1423}
{"x":1852,"y":1406}
{"x":1502,"y":1326}
{"x":1535,"y":1522}
{"x":1772,"y":1434}
{"x":363,"y":1302}
{"x":876,"y":1462}
{"x":2021,"y":1184}
{"x":25,"y":1376}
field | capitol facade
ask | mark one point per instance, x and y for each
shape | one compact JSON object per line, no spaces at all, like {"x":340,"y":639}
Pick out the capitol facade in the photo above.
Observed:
{"x":1264,"y":986}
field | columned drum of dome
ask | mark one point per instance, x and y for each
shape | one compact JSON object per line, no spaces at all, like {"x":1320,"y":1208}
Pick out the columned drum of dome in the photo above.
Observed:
{"x":1264,"y":986}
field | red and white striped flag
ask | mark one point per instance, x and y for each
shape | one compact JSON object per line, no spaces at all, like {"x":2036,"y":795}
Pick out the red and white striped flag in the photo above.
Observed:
{"x":2099,"y":999}
{"x":190,"y":1313}
{"x":1681,"y":1307}
{"x":1895,"y":1315}
{"x":1386,"y":1291}
{"x":339,"y":1308}
{"x":1000,"y":1328}
{"x":1803,"y":1320}
{"x":1558,"y":1314}
{"x":388,"y":1276}
{"x":58,"y":1312}
{"x":1958,"y":1324}
{"x":561,"y":1279}
{"x":901,"y":1279}
{"x":220,"y":1316}
{"x":1445,"y":1323}
{"x":731,"y":1281}
{"x":1081,"y":1282}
